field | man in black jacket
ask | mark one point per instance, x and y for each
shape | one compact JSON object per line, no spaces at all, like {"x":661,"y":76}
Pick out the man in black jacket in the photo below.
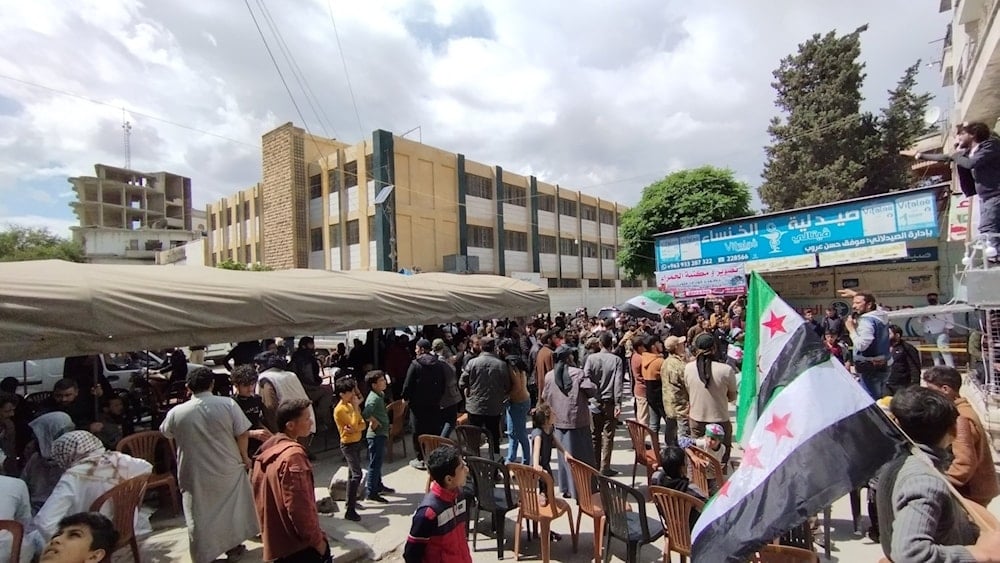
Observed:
{"x":422,"y":391}
{"x":979,"y":154}
{"x":905,"y":369}
{"x":310,"y":374}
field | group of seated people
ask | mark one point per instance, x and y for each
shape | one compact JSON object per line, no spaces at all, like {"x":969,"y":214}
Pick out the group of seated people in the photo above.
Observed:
{"x":58,"y":458}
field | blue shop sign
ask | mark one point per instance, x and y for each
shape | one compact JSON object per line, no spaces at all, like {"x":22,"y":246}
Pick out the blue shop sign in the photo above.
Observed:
{"x":892,"y":218}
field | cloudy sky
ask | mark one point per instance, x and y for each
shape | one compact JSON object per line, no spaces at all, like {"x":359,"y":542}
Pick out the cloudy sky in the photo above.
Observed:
{"x":601,"y":95}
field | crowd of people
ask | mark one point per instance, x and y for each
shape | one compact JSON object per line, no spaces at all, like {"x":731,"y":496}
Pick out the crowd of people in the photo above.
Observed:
{"x":244,"y":468}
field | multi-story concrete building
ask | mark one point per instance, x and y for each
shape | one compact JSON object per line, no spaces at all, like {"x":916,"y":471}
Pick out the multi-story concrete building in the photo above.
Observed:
{"x":126,"y":215}
{"x":393,"y":204}
{"x":970,"y":60}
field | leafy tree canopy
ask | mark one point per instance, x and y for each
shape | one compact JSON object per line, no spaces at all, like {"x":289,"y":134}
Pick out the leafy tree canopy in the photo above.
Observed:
{"x":32,"y":243}
{"x":687,"y":198}
{"x":824,"y":149}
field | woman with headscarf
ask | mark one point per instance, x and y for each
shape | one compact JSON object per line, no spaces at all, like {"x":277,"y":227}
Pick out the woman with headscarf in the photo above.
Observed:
{"x":90,"y":471}
{"x":568,"y":391}
{"x":711,"y":387}
{"x":40,"y":472}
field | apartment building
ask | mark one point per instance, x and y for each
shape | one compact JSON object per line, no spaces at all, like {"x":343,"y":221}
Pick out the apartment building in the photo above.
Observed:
{"x":396,"y":204}
{"x":127,"y":216}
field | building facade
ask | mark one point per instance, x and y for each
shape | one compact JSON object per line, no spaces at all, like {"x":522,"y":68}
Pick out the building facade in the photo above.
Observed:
{"x":127,"y":216}
{"x":395,"y":204}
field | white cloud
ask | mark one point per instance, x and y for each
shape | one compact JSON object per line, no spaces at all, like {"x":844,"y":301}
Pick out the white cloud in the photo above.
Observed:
{"x":606,"y":96}
{"x":56,"y":226}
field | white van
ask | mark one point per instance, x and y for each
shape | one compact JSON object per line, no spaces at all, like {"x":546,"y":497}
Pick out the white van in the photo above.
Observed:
{"x":41,"y":375}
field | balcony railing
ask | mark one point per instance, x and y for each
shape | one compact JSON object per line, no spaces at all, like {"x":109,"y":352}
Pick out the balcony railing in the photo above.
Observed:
{"x":974,"y":45}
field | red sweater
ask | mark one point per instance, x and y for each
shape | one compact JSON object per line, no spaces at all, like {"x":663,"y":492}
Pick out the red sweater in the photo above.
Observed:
{"x":283,"y":491}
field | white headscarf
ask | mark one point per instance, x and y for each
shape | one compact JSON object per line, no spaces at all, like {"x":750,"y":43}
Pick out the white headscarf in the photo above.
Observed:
{"x":47,"y":428}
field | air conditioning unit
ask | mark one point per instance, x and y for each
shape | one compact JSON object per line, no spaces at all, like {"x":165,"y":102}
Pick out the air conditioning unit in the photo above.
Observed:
{"x":460,"y":264}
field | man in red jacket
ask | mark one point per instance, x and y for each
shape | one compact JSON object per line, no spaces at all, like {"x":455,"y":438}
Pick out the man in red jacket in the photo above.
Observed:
{"x":283,"y":490}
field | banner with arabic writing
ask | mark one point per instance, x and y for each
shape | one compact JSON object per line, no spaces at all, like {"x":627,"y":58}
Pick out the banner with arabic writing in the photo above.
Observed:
{"x":898,"y":217}
{"x":726,"y":279}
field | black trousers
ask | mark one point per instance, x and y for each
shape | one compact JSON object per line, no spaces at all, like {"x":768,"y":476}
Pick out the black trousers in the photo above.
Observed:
{"x":425,"y":422}
{"x":492,"y":426}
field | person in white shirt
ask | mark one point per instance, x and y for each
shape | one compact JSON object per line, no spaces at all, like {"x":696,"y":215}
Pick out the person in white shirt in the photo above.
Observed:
{"x":15,"y":505}
{"x":936,"y":329}
{"x":90,"y":472}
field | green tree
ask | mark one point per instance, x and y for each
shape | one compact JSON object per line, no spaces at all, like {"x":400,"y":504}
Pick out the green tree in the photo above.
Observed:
{"x":818,"y":151}
{"x":230,"y":264}
{"x":899,"y":125}
{"x":687,"y":198}
{"x":31,"y":243}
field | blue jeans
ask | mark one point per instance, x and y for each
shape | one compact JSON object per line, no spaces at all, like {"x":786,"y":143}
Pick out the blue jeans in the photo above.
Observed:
{"x":376,"y":451}
{"x":989,"y":218}
{"x":875,"y":383}
{"x":517,"y":428}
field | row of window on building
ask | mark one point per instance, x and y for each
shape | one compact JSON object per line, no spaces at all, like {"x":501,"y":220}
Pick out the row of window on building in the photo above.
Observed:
{"x":477,"y":186}
{"x":478,"y":237}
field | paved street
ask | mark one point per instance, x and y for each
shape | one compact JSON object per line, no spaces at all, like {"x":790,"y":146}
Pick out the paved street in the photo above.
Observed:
{"x":383,"y":528}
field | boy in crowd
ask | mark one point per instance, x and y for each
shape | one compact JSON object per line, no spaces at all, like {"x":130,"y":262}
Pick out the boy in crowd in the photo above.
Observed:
{"x":672,"y":474}
{"x":351,"y":425}
{"x":245,"y":379}
{"x":283,"y":491}
{"x":434,"y":537}
{"x":85,"y":537}
{"x":711,"y":442}
{"x":116,"y":420}
{"x":378,"y":432}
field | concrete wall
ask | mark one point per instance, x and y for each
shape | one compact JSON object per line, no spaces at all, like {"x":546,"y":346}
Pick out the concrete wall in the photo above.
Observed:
{"x":593,"y":298}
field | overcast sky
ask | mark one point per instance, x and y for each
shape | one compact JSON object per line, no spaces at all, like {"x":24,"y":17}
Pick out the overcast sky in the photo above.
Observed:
{"x":605,"y":96}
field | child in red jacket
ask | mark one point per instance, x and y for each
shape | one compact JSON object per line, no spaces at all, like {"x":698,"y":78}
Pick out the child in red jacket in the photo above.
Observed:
{"x":438,"y":530}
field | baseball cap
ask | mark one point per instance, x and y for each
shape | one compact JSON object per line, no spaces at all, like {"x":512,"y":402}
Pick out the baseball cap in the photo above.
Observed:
{"x":672,"y":341}
{"x":715,"y":431}
{"x":438,"y":344}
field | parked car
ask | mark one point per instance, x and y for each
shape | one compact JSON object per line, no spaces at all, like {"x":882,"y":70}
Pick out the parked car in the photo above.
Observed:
{"x":608,"y":313}
{"x":43,"y":374}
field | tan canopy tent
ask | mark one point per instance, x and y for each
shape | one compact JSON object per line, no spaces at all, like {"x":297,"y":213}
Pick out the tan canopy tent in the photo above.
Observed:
{"x":52,"y":308}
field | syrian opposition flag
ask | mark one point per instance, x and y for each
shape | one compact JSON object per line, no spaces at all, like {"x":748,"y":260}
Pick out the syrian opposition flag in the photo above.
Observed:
{"x":810,"y":435}
{"x":649,"y":304}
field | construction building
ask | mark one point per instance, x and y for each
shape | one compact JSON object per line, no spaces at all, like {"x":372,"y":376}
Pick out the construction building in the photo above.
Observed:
{"x":399,"y":205}
{"x":127,"y":216}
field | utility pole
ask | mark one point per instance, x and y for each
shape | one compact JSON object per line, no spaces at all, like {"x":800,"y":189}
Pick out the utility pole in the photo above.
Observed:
{"x":126,"y":140}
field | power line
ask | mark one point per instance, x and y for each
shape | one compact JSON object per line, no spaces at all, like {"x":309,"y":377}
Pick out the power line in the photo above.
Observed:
{"x":281,"y":75}
{"x":347,"y":75}
{"x":297,"y":73}
{"x":130,"y":110}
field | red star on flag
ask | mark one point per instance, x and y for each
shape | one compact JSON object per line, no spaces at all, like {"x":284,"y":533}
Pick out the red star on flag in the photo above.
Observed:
{"x":724,"y":490}
{"x":751,"y":457}
{"x":779,"y":426}
{"x":775,"y":324}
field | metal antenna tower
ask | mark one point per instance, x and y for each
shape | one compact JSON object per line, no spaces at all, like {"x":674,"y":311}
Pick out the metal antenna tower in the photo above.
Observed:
{"x":126,"y":140}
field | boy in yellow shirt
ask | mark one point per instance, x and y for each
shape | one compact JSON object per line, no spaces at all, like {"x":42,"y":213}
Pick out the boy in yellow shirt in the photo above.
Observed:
{"x":351,"y":425}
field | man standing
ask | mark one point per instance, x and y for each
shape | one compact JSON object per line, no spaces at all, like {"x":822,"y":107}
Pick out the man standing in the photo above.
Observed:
{"x":971,"y":469}
{"x":422,"y":391}
{"x":834,"y":323}
{"x":813,"y":323}
{"x":283,"y":490}
{"x":306,"y":367}
{"x":870,"y":333}
{"x":676,"y":405}
{"x":978,"y":155}
{"x":652,"y":361}
{"x":638,"y":382}
{"x":607,"y":371}
{"x":905,"y":369}
{"x":211,"y":434}
{"x":486,"y":382}
{"x":936,"y":329}
{"x":544,"y":362}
